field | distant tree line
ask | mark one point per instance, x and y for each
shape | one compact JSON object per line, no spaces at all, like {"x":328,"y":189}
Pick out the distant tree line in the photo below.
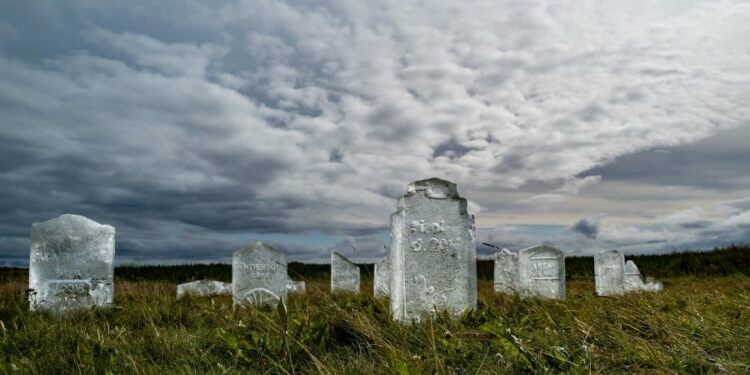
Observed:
{"x":734,"y":259}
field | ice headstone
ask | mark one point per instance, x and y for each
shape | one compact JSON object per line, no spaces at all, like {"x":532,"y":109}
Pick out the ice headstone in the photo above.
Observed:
{"x":433,"y":253}
{"x":634,"y":281}
{"x":506,"y":272}
{"x":71,"y":265}
{"x":609,"y":273}
{"x":382,"y":278}
{"x":541,"y":272}
{"x":344,"y":274}
{"x":204,"y":288}
{"x":632,"y":277}
{"x":295,"y":286}
{"x":259,"y":276}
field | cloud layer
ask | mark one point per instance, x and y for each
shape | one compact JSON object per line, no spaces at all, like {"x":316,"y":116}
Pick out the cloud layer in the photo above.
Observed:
{"x":193,"y":127}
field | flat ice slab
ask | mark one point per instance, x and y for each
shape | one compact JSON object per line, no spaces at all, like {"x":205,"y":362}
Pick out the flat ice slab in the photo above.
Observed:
{"x":204,"y":288}
{"x":294,"y":286}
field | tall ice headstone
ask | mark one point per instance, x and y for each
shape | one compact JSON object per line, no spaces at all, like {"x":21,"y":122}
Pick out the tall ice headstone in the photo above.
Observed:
{"x":506,"y":272}
{"x":71,"y":266}
{"x":382,"y":278}
{"x":541,"y":272}
{"x":344,"y":274}
{"x":259,"y":276}
{"x":433,"y":252}
{"x":609,"y":273}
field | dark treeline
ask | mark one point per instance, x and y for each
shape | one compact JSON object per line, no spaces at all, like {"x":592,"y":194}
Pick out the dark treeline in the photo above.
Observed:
{"x":720,"y":262}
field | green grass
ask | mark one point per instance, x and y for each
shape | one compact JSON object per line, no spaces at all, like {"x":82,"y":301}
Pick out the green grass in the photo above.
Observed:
{"x":699,"y":324}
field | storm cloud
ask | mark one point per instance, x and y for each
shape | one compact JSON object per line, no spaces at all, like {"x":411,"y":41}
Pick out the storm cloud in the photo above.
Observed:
{"x":195,"y":127}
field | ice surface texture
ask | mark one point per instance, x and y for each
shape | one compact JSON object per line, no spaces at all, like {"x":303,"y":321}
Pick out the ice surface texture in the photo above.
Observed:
{"x":382,"y":278}
{"x":506,"y":272}
{"x":344,"y":274}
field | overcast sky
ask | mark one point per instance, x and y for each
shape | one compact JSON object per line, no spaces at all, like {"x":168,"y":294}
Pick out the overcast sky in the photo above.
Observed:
{"x":195,"y":127}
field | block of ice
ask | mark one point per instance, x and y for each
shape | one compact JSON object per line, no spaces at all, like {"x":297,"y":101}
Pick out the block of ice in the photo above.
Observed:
{"x":71,"y":265}
{"x":204,"y":288}
{"x":506,"y":272}
{"x":433,"y":253}
{"x":344,"y":274}
{"x":259,"y":276}
{"x":541,"y":272}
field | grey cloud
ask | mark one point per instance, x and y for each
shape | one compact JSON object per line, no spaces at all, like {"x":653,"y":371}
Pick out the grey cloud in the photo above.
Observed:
{"x":220,"y":119}
{"x":586,"y":227}
{"x":718,"y":162}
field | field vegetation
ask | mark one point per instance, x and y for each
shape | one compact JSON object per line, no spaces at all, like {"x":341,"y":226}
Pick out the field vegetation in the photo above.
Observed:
{"x":699,"y":324}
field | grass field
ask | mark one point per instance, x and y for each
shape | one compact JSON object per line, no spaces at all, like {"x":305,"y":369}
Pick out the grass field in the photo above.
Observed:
{"x":699,"y":324}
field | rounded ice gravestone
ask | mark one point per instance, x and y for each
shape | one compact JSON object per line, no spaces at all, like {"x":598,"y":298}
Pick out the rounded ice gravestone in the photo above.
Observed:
{"x":541,"y":272}
{"x":609,"y":273}
{"x":344,"y":274}
{"x":433,"y":252}
{"x":259,"y":276}
{"x":506,"y":272}
{"x":71,"y":265}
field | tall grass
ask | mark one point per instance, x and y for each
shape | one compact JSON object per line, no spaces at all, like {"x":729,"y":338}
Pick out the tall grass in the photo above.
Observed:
{"x":699,"y":324}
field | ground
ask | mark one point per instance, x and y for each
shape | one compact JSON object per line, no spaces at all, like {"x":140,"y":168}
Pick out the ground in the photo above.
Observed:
{"x":697,"y":325}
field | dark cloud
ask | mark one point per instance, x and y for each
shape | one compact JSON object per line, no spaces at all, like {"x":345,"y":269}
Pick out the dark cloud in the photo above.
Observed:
{"x":717,"y":162}
{"x":587,"y":227}
{"x":451,"y":149}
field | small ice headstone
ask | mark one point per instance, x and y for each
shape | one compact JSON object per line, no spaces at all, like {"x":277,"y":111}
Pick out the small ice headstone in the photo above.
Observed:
{"x":382,"y":278}
{"x":204,"y":288}
{"x":632,"y":277}
{"x":506,"y":272}
{"x":344,"y":274}
{"x":295,"y":286}
{"x":433,"y":253}
{"x":609,"y":273}
{"x":541,"y":271}
{"x":634,"y":281}
{"x":259,"y":276}
{"x":71,"y":266}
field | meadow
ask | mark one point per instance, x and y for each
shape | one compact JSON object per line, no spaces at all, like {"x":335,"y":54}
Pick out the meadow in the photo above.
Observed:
{"x":700,"y":324}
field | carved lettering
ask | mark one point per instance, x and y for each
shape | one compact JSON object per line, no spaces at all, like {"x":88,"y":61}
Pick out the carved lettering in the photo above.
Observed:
{"x":416,"y":246}
{"x":259,"y":269}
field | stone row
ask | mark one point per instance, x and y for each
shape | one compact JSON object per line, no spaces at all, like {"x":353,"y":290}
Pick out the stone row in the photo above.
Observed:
{"x":430,"y":266}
